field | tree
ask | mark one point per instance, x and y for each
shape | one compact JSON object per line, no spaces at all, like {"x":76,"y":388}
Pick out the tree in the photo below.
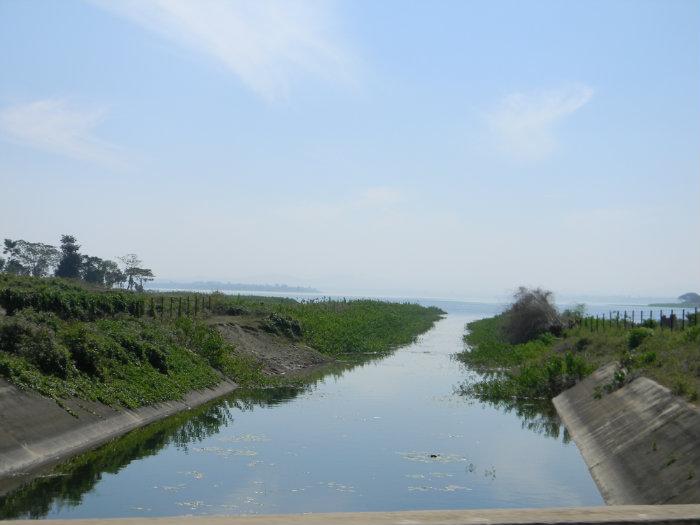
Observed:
{"x":135,"y":275}
{"x":100,"y":271}
{"x":130,"y":261}
{"x":92,"y":269}
{"x":531,"y":314}
{"x":71,"y":261}
{"x":30,"y":258}
{"x":139,"y":276}
{"x":112,"y":274}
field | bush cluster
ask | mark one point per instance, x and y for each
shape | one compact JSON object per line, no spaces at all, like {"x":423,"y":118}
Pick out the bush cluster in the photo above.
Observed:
{"x":65,"y":299}
{"x":531,"y":315}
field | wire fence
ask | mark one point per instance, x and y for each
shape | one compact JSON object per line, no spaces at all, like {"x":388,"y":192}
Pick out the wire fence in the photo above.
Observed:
{"x":672,"y":319}
{"x":174,"y":307}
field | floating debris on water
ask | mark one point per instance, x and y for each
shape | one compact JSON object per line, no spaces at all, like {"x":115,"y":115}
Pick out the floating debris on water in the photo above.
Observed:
{"x":339,"y":487}
{"x":196,"y":474}
{"x":446,"y":488}
{"x":171,"y":488}
{"x":247,"y":438}
{"x":432,"y":457}
{"x":192,"y":505}
{"x":226,"y":452}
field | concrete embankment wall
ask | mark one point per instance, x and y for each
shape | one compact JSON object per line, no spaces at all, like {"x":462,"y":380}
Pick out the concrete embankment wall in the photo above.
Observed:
{"x":36,"y":433}
{"x":641,"y":443}
{"x":646,"y":515}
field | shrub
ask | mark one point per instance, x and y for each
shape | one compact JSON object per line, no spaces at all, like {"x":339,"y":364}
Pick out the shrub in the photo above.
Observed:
{"x":637,"y":336}
{"x":85,"y":347}
{"x":531,"y":315}
{"x":582,"y":343}
{"x":276,"y":324}
{"x":36,"y":343}
{"x":48,"y":319}
{"x":50,"y":356}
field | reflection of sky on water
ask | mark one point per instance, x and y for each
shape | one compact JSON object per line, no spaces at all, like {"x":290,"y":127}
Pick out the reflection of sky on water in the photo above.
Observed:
{"x":387,"y":435}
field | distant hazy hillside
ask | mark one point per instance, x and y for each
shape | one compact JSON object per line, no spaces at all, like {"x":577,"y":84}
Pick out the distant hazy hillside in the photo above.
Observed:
{"x":687,"y":299}
{"x":217,"y":285}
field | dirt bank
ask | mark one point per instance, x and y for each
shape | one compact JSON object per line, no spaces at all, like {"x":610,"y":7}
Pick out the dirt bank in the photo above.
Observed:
{"x":640,"y":442}
{"x":278,"y":353}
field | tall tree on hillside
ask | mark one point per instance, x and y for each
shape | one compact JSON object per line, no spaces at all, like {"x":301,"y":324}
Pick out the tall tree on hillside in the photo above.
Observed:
{"x":71,"y":261}
{"x":30,"y":258}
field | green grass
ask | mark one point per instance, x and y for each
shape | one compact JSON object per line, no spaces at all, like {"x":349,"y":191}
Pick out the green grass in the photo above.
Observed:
{"x":343,"y":327}
{"x":122,"y":361}
{"x":542,"y":368}
{"x":64,"y":339}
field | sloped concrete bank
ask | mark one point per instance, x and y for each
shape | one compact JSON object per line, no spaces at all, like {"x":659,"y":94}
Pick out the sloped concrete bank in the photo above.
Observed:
{"x":36,"y":433}
{"x":641,"y":443}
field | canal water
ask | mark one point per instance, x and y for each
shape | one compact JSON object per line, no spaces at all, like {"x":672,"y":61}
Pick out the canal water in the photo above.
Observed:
{"x":389,"y":434}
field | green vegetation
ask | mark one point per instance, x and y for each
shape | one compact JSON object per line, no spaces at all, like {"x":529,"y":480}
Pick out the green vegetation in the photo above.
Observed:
{"x":63,"y":338}
{"x":341,"y":327}
{"x":547,"y":364}
{"x":523,"y":371}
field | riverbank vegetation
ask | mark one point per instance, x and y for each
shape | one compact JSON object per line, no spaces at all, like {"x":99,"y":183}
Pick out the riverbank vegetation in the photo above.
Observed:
{"x":560,"y":350}
{"x":65,"y":338}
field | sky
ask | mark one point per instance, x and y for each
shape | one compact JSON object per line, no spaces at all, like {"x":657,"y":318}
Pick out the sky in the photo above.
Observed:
{"x":449,"y":148}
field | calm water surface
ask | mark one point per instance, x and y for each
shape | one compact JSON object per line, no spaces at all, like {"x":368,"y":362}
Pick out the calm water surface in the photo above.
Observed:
{"x":390,"y":434}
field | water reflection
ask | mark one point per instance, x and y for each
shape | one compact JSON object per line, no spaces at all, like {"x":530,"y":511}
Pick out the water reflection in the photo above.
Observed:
{"x":66,"y":484}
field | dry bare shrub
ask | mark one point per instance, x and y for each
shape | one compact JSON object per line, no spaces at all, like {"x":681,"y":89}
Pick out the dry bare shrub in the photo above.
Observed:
{"x":532,"y":314}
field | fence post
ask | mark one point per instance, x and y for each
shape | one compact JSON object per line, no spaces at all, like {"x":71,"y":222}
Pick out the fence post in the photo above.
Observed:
{"x":661,"y":319}
{"x":187,"y":311}
{"x":210,"y":302}
{"x":196,"y":302}
{"x":172,"y":300}
{"x":179,"y":307}
{"x":683,"y":320}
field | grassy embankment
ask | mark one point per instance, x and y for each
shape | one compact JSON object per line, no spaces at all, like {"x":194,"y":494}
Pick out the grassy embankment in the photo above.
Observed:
{"x":543,"y":367}
{"x":62,"y":339}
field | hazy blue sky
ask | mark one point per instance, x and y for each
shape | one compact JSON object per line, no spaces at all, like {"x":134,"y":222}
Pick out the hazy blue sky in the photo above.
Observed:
{"x":438,"y":147}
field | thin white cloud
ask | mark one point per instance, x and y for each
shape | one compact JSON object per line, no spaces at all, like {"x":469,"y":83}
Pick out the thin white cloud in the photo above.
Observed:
{"x":267,"y":44}
{"x":54,"y":126}
{"x":524,"y":123}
